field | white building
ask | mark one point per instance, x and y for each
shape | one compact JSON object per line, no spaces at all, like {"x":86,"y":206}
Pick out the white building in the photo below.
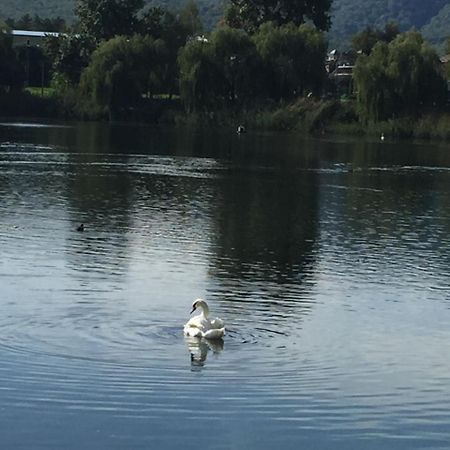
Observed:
{"x":30,"y":38}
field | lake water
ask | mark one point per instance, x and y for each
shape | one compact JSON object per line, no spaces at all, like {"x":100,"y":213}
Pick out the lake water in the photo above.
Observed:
{"x":327,"y":259}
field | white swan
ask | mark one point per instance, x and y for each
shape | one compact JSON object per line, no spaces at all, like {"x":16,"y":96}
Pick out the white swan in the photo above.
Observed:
{"x":201,"y":326}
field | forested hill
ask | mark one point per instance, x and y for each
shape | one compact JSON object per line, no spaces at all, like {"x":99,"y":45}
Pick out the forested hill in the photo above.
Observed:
{"x":210,"y":10}
{"x":349,"y":16}
{"x":430,"y":16}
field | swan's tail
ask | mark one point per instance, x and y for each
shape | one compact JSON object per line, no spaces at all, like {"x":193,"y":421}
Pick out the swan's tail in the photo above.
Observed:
{"x":217,"y":323}
{"x":216,"y":333}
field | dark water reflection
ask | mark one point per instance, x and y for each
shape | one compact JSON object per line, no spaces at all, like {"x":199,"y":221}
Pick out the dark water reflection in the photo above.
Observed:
{"x":328,"y":260}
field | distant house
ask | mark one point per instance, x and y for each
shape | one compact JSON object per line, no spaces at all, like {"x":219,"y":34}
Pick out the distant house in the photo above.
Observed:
{"x":342,"y":77}
{"x":343,"y":71}
{"x":31,"y":38}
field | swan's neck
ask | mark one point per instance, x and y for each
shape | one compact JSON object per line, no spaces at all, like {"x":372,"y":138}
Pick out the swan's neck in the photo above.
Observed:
{"x":204,"y":309}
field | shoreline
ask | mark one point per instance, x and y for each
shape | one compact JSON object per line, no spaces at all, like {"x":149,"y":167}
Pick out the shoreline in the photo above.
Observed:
{"x":309,"y":117}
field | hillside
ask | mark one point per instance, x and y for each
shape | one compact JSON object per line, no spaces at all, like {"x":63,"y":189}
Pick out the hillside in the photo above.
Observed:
{"x":210,"y":10}
{"x":438,"y":30}
{"x":349,"y":16}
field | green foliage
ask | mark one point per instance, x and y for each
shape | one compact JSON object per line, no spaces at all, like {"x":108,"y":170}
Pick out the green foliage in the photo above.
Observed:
{"x":42,"y":92}
{"x":108,"y":18}
{"x":189,"y":18}
{"x":197,"y":70}
{"x":371,"y":80}
{"x":237,"y":66}
{"x":210,"y":11}
{"x":174,"y":30}
{"x":233,"y":70}
{"x":37,"y":23}
{"x":18,"y":9}
{"x":218,"y":72}
{"x":11,"y":72}
{"x":104,"y":19}
{"x":173,"y":26}
{"x":347,"y":16}
{"x":35,"y":65}
{"x":250,"y":14}
{"x":398,"y":78}
{"x":121,"y":72}
{"x":70,"y":54}
{"x":302,"y":114}
{"x":352,"y":16}
{"x":365,"y":40}
{"x":293,"y":59}
{"x":24,"y":104}
{"x":436,"y":31}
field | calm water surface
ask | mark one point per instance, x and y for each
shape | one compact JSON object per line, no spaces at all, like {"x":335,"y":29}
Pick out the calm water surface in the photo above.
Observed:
{"x":327,"y":259}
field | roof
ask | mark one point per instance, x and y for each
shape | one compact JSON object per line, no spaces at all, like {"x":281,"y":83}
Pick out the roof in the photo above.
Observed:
{"x":41,"y":34}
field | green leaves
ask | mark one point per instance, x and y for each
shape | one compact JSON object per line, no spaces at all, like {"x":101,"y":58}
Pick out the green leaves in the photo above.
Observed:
{"x":293,"y":59}
{"x":250,"y":14}
{"x":11,"y":76}
{"x":234,"y":70}
{"x":398,"y":78}
{"x":122,"y":71}
{"x":70,"y":54}
{"x":104,"y":19}
{"x":365,"y":40}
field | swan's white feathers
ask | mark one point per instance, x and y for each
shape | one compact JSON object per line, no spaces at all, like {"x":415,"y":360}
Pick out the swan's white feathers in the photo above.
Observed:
{"x":214,"y":333}
{"x":217,"y":323}
{"x":201,"y":326}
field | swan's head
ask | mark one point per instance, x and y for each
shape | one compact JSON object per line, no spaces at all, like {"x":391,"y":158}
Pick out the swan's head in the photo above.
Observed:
{"x":199,"y":303}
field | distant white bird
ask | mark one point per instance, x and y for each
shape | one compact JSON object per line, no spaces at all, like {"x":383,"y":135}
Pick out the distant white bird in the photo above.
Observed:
{"x":201,"y":326}
{"x":382,"y":137}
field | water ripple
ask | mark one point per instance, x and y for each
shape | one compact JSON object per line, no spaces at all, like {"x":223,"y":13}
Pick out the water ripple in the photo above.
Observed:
{"x":332,"y":281}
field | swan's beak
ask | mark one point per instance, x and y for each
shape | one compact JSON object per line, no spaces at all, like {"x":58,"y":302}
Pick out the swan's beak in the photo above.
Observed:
{"x":193,"y":309}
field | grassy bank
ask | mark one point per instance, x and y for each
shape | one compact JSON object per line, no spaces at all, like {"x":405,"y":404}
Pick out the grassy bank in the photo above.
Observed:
{"x":27,"y":104}
{"x":305,"y":115}
{"x":430,"y":125}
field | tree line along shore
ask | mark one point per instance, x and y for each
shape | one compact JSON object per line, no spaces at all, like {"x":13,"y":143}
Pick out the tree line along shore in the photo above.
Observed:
{"x":265,"y":65}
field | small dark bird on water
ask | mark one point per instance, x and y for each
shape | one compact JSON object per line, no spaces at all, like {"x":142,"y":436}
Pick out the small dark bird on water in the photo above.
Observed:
{"x":80,"y":227}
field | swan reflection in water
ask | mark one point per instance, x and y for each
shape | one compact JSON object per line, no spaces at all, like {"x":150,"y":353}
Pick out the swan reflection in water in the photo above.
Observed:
{"x":199,"y":349}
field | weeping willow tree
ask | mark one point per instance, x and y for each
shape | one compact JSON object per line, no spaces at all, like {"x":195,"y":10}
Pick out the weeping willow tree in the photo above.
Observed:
{"x":398,"y":79}
{"x":372,"y":85}
{"x":219,"y":72}
{"x":197,"y":73}
{"x":235,"y":70}
{"x":293,"y":59}
{"x":121,"y":72}
{"x":415,"y":71}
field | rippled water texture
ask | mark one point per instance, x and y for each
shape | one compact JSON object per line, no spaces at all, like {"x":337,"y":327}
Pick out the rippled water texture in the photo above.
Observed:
{"x":327,"y":259}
